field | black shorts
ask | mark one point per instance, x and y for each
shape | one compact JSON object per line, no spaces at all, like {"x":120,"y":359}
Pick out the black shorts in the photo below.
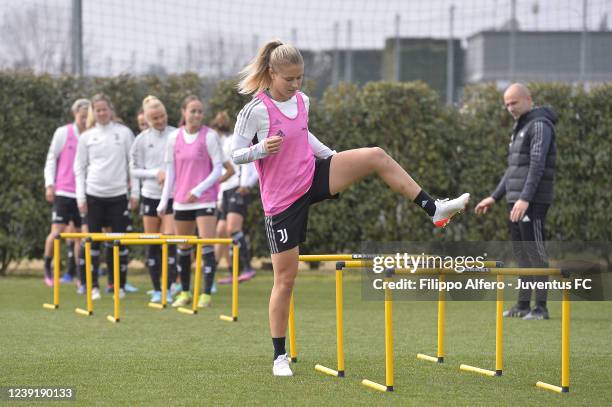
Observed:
{"x":233,"y":202}
{"x":192,"y":214}
{"x":148,"y":207}
{"x":287,"y":229}
{"x":105,"y":212}
{"x":65,"y":210}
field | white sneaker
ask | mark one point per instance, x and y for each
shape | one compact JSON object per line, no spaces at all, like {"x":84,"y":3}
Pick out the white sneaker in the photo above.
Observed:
{"x":121,"y":294}
{"x":95,"y":294}
{"x":281,"y":366}
{"x":446,"y":209}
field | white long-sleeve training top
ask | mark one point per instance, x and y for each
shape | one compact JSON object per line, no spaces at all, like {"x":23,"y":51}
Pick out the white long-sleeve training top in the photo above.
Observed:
{"x":101,"y":165}
{"x":253,"y":121}
{"x":245,"y":175}
{"x":147,"y":159}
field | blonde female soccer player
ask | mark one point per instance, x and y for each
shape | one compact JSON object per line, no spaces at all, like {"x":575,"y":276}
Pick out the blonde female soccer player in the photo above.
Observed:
{"x":147,"y":165}
{"x":296,"y":170}
{"x":60,"y":187}
{"x":101,"y":169}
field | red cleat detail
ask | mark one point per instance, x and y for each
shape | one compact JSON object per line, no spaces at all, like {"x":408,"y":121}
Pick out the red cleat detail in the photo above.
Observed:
{"x":441,"y":223}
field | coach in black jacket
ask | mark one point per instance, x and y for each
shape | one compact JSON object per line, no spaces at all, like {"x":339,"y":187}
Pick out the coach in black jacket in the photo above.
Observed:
{"x":528,"y":186}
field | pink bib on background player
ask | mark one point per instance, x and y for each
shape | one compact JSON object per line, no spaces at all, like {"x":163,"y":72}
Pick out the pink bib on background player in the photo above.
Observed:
{"x":64,"y":175}
{"x":192,"y":165}
{"x":286,"y":176}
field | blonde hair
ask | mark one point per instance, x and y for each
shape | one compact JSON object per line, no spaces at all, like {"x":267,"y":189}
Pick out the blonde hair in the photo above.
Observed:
{"x":89,"y":123}
{"x":80,"y":104}
{"x":149,"y":103}
{"x":99,"y":97}
{"x":221,"y":122}
{"x":255,"y":77}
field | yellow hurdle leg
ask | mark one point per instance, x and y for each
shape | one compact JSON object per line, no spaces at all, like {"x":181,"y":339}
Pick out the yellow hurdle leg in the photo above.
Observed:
{"x":88,"y":275}
{"x":56,"y":274}
{"x":197,"y":284}
{"x":388,"y":347}
{"x":565,"y":341}
{"x":235,"y":266}
{"x":389,"y":339}
{"x":164,"y":288}
{"x":116,"y":284}
{"x":164,"y":280}
{"x":339,"y":322}
{"x":441,"y":317}
{"x":499,"y":338}
{"x":339,"y":328}
{"x":56,"y":270}
{"x":292,"y":344}
{"x":499,"y":328}
{"x":474,"y":369}
{"x":88,"y":283}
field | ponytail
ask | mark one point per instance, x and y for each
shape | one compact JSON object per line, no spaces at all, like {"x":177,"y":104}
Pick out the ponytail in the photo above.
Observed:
{"x":255,"y":77}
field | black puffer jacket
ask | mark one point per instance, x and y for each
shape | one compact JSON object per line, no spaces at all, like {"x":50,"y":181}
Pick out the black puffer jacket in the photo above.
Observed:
{"x":531,"y":158}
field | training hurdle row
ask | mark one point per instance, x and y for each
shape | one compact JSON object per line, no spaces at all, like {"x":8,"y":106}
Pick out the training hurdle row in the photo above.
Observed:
{"x":362,"y":260}
{"x":127,"y":239}
{"x":489,"y":268}
{"x":499,"y":327}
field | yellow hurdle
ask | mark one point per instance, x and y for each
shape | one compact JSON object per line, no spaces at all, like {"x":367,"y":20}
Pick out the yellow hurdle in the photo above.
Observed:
{"x":565,"y":343}
{"x":491,"y":268}
{"x":135,"y":239}
{"x":164,"y":241}
{"x":96,"y":237}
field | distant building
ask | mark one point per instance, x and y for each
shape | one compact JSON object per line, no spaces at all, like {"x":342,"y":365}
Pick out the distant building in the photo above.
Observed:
{"x":543,"y":56}
{"x":366,"y":66}
{"x":425,"y":59}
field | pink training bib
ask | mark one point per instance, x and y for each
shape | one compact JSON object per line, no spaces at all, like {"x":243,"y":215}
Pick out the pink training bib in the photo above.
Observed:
{"x":286,"y":176}
{"x":192,"y":165}
{"x":64,"y":175}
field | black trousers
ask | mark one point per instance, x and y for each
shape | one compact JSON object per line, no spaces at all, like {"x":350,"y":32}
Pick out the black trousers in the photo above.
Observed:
{"x":528,"y":239}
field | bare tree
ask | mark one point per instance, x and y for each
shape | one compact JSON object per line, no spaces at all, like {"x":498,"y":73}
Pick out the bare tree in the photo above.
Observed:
{"x":36,"y":38}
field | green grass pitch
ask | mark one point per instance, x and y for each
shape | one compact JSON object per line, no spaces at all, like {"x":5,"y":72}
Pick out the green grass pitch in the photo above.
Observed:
{"x":161,"y":357}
